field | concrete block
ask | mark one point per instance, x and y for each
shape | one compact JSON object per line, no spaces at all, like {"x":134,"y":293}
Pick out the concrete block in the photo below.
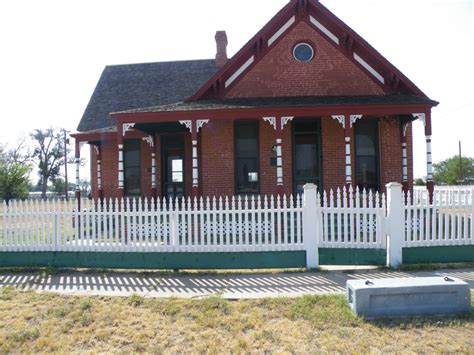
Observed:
{"x":408,"y":296}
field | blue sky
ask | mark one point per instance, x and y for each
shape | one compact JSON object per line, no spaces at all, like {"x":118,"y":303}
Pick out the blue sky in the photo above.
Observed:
{"x":53,"y":52}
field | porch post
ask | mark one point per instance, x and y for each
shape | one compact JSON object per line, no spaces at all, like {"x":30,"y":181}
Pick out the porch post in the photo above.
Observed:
{"x":78,"y":163}
{"x":120,"y":160}
{"x":194,"y":126}
{"x":404,"y":158}
{"x":153,"y":167}
{"x":278,"y":124}
{"x":151,"y":142}
{"x":347,"y":121}
{"x":278,"y":128}
{"x":426,"y":118}
{"x":195,"y":189}
{"x":98,"y":150}
{"x":347,"y":139}
{"x":429,"y":161}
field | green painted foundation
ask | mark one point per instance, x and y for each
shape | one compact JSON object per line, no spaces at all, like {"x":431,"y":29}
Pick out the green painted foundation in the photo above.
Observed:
{"x":234,"y":260}
{"x":339,"y":256}
{"x":444,"y":254}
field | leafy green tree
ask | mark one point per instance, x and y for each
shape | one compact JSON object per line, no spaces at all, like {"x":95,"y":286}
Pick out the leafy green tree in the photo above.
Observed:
{"x":59,"y":185}
{"x":419,"y":182}
{"x":448,"y":172}
{"x":49,"y":154}
{"x":14,"y":179}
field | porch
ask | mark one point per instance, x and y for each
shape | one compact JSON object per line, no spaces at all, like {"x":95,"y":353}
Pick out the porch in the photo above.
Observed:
{"x":260,"y":146}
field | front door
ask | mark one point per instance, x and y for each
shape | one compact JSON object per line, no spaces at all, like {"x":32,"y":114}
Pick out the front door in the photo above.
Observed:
{"x":306,"y":153}
{"x":172,"y":148}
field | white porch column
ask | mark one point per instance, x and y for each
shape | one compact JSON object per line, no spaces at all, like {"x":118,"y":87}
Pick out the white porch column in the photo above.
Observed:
{"x":426,"y":118}
{"x":98,"y":153}
{"x":78,"y":164}
{"x":404,"y":158}
{"x":194,"y":126}
{"x":278,"y":124}
{"x":151,"y":142}
{"x":347,"y":122}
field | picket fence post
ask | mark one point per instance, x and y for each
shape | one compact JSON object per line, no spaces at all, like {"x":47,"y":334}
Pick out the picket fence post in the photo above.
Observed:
{"x":396,"y":224}
{"x":310,"y":226}
{"x":472,"y":214}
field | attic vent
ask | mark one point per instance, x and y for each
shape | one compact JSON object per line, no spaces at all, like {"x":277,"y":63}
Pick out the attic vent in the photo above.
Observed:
{"x":303,"y":52}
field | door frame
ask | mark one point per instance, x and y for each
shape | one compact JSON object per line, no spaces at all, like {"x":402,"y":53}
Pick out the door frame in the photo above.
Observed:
{"x":163,"y":140}
{"x":319,"y":152}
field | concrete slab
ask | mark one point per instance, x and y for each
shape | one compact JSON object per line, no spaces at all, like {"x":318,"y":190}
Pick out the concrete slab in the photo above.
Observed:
{"x":373,"y":298}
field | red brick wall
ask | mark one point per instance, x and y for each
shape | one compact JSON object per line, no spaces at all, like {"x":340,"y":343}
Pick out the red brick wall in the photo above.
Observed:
{"x":390,"y":149}
{"x":216,"y":164}
{"x":333,"y":151}
{"x":330,"y":73}
{"x":216,"y":158}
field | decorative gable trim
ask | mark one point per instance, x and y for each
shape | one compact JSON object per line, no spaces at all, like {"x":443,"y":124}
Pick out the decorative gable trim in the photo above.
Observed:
{"x":349,"y":43}
{"x":324,"y":30}
{"x":367,"y":66}
{"x":282,"y":30}
{"x":239,"y":71}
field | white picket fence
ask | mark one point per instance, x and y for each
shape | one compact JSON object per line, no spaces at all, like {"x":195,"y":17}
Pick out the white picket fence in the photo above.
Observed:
{"x":353,"y":219}
{"x":131,"y":225}
{"x":447,"y":221}
{"x":340,"y":219}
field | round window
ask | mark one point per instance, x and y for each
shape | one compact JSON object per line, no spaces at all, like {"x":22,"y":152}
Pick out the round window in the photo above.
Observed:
{"x":303,"y":52}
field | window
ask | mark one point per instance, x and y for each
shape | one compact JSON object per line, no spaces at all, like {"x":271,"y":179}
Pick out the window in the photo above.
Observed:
{"x":303,"y":52}
{"x":131,"y":165}
{"x":366,"y":154}
{"x":246,"y":157}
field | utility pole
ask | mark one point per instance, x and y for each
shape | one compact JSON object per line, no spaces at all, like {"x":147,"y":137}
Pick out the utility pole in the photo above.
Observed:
{"x":66,"y":141}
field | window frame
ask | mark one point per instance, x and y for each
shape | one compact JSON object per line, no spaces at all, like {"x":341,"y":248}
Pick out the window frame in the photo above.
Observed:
{"x":377,"y":152}
{"x":137,"y":166}
{"x":236,"y":157}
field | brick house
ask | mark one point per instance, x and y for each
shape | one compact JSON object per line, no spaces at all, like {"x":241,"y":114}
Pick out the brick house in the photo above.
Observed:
{"x":305,"y":100}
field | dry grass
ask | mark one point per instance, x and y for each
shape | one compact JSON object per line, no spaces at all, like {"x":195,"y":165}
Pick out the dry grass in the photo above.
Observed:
{"x":41,"y":322}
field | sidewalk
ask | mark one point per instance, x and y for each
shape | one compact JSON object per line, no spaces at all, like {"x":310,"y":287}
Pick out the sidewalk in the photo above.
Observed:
{"x":229,"y":286}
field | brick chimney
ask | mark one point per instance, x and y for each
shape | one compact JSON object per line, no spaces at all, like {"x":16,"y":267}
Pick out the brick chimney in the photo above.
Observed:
{"x":221,"y":44}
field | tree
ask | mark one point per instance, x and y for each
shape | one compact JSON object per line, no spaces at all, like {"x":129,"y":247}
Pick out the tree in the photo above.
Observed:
{"x":448,"y":172}
{"x":85,"y":187}
{"x":419,"y":182}
{"x":59,"y":185}
{"x":14,"y":179}
{"x":49,"y":150}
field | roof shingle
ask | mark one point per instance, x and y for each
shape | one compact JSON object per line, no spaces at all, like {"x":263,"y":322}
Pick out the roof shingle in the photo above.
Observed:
{"x":133,"y":86}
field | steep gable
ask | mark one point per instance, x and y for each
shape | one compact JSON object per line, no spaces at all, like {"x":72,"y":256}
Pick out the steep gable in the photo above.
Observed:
{"x":330,"y":73}
{"x":339,"y":49}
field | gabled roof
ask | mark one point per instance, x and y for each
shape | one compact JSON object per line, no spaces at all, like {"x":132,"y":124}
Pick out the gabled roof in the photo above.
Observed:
{"x":132,"y":86}
{"x":336,"y":32}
